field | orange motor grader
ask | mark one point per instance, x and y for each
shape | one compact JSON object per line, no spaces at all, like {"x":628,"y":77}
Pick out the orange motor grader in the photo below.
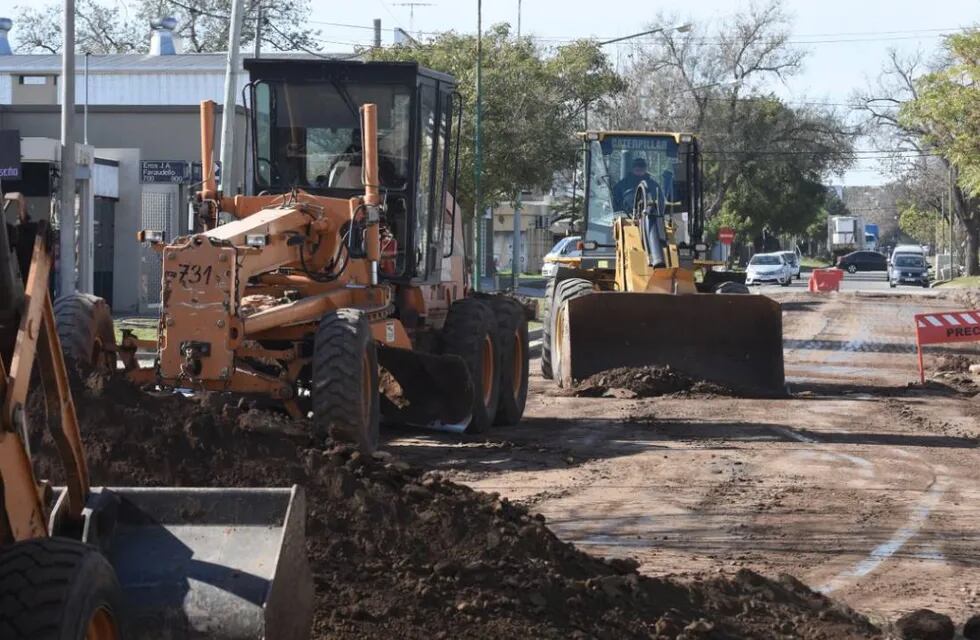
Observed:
{"x":339,"y":289}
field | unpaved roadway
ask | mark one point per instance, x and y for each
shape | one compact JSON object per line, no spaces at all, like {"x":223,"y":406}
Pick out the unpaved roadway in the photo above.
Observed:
{"x":857,"y":483}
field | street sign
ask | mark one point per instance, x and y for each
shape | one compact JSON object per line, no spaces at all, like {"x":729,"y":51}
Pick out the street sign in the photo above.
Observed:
{"x":726,"y":235}
{"x":944,"y":327}
{"x":10,"y":154}
{"x":163,"y":172}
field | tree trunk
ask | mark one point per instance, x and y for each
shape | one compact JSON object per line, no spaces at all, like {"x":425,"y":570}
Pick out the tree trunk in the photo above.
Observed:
{"x":972,"y":246}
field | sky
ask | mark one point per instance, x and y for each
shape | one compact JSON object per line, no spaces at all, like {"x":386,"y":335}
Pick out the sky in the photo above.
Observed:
{"x":847,"y":40}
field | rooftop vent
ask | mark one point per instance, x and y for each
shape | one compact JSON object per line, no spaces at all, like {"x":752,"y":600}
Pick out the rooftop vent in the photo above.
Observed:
{"x":162,"y":37}
{"x":5,"y":25}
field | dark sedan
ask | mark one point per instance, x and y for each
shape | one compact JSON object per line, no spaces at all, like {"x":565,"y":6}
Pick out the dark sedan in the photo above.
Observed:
{"x":863,"y":261}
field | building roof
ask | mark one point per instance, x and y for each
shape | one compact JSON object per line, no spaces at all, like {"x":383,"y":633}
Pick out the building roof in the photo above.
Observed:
{"x":135,"y":62}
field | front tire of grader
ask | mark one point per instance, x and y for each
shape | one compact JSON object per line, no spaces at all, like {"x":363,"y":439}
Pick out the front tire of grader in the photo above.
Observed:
{"x":549,"y":299}
{"x":346,"y":403}
{"x":88,"y":338}
{"x":470,"y":332}
{"x":58,"y":589}
{"x":560,"y":344}
{"x":514,"y":359}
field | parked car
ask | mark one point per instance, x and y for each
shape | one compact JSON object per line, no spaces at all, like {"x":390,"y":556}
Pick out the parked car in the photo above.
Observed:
{"x":565,"y":251}
{"x":768,"y":267}
{"x":862,"y":261}
{"x":793,"y":259}
{"x":908,"y":268}
{"x":908,"y":249}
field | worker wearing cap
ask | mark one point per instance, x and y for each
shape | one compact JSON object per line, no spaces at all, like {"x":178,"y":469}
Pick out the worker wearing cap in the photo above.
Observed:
{"x":625,"y":190}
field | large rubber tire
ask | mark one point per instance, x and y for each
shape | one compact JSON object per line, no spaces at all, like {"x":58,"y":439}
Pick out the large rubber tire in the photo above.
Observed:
{"x":514,"y":359}
{"x":58,"y":589}
{"x":470,"y":332}
{"x":88,"y":338}
{"x":565,"y":291}
{"x":549,"y":297}
{"x":346,"y":402}
{"x":852,"y":269}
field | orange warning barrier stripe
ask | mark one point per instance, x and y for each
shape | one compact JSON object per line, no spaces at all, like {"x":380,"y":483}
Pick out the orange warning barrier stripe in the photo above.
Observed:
{"x":944,"y":327}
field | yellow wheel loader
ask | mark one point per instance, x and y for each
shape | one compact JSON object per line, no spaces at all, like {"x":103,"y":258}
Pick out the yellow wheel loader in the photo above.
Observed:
{"x":123,"y":563}
{"x":337,"y":287}
{"x":645,"y":292}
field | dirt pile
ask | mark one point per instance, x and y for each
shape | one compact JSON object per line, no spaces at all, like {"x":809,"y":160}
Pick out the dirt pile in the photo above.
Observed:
{"x":955,"y":363}
{"x":644,"y":382}
{"x":400,"y":552}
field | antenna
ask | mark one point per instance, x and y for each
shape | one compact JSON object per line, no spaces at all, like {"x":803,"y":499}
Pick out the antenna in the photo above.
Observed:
{"x":411,"y":11}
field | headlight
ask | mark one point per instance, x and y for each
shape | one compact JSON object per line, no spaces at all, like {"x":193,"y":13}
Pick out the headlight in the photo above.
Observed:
{"x":152,"y":236}
{"x":257,"y":240}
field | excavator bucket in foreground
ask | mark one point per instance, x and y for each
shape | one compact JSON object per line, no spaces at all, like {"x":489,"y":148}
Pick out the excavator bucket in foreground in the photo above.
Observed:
{"x":731,"y":340}
{"x":221,"y":563}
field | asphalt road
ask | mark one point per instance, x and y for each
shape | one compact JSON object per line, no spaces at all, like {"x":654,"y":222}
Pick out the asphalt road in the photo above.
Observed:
{"x":863,"y":281}
{"x":876,"y":281}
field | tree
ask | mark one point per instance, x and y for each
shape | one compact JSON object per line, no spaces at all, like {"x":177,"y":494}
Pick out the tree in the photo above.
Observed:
{"x":764,"y":160}
{"x":533,"y":100}
{"x":919,"y":224}
{"x":946,"y":112}
{"x":202,"y":25}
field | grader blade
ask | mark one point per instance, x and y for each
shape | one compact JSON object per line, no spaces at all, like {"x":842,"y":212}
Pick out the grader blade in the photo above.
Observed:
{"x":731,"y":340}
{"x":424,"y":389}
{"x":223,"y":563}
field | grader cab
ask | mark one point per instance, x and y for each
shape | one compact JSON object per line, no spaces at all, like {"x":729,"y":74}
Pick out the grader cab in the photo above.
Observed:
{"x":339,"y":289}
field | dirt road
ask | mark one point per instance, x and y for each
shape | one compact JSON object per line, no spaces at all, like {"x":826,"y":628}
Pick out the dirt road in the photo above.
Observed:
{"x":856,"y":483}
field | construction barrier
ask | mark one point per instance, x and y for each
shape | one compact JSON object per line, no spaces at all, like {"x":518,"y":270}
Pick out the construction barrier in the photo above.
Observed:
{"x":945,"y":327}
{"x":825,"y":280}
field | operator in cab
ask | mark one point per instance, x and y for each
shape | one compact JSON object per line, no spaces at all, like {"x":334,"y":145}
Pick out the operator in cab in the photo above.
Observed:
{"x":624,"y":191}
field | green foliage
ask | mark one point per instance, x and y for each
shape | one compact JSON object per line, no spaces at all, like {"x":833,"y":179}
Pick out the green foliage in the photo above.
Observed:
{"x":533,"y":102}
{"x":947,"y":109}
{"x":919,"y":223}
{"x":202,"y":25}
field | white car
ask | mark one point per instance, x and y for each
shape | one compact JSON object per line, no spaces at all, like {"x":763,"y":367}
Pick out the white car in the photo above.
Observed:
{"x":769,"y":267}
{"x":794,"y":262}
{"x":565,"y":251}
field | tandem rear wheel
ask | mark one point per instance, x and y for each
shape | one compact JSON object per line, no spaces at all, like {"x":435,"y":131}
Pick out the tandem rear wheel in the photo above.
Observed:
{"x":514,"y":359}
{"x":470,"y":332}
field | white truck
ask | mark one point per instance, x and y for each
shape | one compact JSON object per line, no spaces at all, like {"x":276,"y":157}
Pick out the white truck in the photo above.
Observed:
{"x":845,"y":234}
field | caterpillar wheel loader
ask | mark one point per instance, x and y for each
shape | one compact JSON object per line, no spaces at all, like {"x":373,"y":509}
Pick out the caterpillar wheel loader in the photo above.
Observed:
{"x":645,"y":292}
{"x":339,"y":289}
{"x":122,"y":563}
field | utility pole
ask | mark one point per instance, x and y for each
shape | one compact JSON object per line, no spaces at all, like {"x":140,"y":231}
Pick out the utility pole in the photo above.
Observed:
{"x":66,"y":207}
{"x":515,"y":266}
{"x":228,"y":110}
{"x":258,"y":30}
{"x":478,"y":152}
{"x":377,"y":33}
{"x":519,"y":19}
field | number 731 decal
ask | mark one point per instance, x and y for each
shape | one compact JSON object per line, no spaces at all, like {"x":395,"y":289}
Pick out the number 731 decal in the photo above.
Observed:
{"x":189,"y":275}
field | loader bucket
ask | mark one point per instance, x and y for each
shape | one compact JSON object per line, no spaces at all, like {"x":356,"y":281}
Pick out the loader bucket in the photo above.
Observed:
{"x":732,"y":340}
{"x":207,"y":563}
{"x":430,"y":390}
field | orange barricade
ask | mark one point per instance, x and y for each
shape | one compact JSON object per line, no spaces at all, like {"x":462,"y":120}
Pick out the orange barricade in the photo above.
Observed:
{"x":825,"y":279}
{"x":943,"y":327}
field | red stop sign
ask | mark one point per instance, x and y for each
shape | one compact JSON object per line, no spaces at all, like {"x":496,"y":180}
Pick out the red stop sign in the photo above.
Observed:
{"x":726,"y":235}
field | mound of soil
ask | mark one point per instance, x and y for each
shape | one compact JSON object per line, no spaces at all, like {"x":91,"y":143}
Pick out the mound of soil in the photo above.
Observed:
{"x":398,"y":552}
{"x":955,"y":363}
{"x":644,"y":382}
